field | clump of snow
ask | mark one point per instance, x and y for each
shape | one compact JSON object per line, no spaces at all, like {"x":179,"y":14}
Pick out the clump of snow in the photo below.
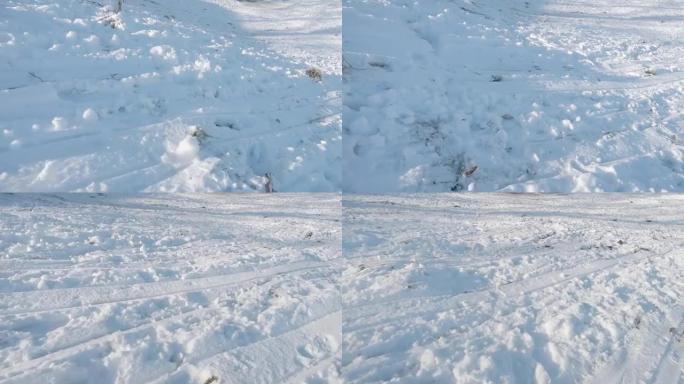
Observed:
{"x":59,"y":123}
{"x":89,"y":114}
{"x":166,"y":52}
{"x":92,"y":39}
{"x":182,"y":153}
{"x":6,"y":39}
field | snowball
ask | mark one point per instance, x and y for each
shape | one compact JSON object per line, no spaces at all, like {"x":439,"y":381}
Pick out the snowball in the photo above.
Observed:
{"x":164,"y":51}
{"x":202,"y":65}
{"x":183,"y":153}
{"x":157,"y":50}
{"x":59,"y":124}
{"x":89,"y":115}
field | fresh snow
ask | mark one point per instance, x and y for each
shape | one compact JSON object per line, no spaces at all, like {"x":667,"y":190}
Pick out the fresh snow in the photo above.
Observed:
{"x":494,"y":288}
{"x":513,"y":95}
{"x":169,"y":288}
{"x":172,"y":96}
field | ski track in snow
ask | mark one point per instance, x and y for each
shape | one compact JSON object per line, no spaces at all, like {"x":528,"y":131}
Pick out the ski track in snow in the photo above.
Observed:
{"x":172,"y":288}
{"x":180,"y":96}
{"x":535,"y":96}
{"x":510,"y":288}
{"x":427,"y":288}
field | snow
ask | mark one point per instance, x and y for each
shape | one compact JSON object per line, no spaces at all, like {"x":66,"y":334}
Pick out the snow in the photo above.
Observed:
{"x":168,"y":288}
{"x":98,"y":101}
{"x":113,"y":285}
{"x":513,"y":95}
{"x":502,"y":288}
{"x":318,"y":288}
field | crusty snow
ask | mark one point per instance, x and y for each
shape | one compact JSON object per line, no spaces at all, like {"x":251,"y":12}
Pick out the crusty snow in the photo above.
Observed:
{"x":514,"y":95}
{"x":493,"y":288}
{"x":177,"y":95}
{"x":168,"y":288}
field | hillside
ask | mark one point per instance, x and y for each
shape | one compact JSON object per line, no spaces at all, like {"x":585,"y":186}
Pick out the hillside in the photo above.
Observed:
{"x":495,"y":288}
{"x":513,"y":95}
{"x":169,"y":96}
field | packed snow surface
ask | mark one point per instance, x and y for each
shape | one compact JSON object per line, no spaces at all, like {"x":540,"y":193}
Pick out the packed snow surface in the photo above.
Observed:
{"x":177,"y":95}
{"x":534,"y":95}
{"x":495,"y":288}
{"x":169,"y":288}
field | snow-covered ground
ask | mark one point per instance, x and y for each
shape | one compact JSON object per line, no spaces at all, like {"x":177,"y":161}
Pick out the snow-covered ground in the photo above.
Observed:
{"x":481,"y":288}
{"x":306,"y":30}
{"x":498,"y":288}
{"x":177,"y":95}
{"x":169,"y":288}
{"x":515,"y":95}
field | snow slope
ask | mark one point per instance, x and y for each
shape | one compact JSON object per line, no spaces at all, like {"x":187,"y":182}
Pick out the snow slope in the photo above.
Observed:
{"x":308,"y":31}
{"x":497,"y":288}
{"x":169,"y":96}
{"x":536,"y":95}
{"x":168,"y":288}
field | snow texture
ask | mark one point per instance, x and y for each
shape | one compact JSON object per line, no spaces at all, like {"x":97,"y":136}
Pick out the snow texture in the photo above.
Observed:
{"x":483,"y":288}
{"x":513,"y":95}
{"x":172,"y":96}
{"x":496,"y":288}
{"x":168,"y":288}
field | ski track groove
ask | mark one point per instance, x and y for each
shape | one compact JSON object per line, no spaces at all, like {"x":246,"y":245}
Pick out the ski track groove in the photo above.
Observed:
{"x":413,"y":307}
{"x":634,"y":364}
{"x":256,"y":344}
{"x":25,"y":296}
{"x":66,"y":352}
